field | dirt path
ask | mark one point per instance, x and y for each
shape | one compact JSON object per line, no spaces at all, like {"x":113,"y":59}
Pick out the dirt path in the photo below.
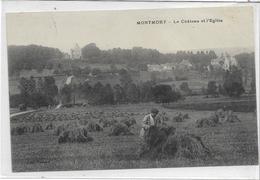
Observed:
{"x":20,"y":113}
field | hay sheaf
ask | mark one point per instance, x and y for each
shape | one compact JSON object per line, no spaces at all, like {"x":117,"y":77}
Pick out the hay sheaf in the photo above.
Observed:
{"x":129,"y":121}
{"x":64,"y":127}
{"x":78,"y":134}
{"x":180,"y":117}
{"x":211,"y":121}
{"x":108,"y":123}
{"x":36,"y":128}
{"x":49,"y":126}
{"x":120,"y":129}
{"x":165,"y":142}
{"x":162,"y":117}
{"x":230,"y":117}
{"x":93,"y":126}
{"x":185,"y":145}
{"x":20,"y":130}
{"x":220,"y":116}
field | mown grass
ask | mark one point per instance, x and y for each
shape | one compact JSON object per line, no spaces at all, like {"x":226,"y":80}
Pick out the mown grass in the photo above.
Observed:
{"x":230,"y":144}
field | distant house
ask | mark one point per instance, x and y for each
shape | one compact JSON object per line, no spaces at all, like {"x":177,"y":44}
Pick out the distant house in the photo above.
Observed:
{"x":35,"y":73}
{"x":66,"y":56}
{"x":76,"y":52}
{"x":161,"y":67}
{"x":185,"y":64}
{"x":224,"y":62}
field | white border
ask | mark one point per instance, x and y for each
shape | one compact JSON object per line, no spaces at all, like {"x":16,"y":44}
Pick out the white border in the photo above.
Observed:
{"x":224,"y":172}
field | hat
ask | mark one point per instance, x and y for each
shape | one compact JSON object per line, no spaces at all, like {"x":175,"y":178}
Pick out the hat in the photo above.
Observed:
{"x":154,"y":110}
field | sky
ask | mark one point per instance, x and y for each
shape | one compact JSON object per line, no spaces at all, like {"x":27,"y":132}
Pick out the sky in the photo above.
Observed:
{"x":113,"y":29}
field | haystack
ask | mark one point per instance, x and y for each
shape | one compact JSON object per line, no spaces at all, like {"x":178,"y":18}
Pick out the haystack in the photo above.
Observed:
{"x":64,"y":127}
{"x":109,"y":123}
{"x":162,"y":117}
{"x":49,"y":126}
{"x":211,"y":121}
{"x":230,"y":117}
{"x":78,"y":134}
{"x":185,"y":145}
{"x":128,"y":121}
{"x":181,"y":117}
{"x":119,"y":129}
{"x":93,"y":126}
{"x":20,"y":130}
{"x":167,"y":142}
{"x":36,"y":128}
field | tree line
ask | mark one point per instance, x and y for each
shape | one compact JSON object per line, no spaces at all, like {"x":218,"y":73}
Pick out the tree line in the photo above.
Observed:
{"x":125,"y":92}
{"x":44,"y":92}
{"x":40,"y":57}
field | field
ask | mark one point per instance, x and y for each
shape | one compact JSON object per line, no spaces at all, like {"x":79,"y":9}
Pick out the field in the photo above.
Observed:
{"x":229,"y":143}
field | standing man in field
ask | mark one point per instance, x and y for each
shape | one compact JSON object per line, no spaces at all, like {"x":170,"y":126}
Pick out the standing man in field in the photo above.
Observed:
{"x":148,"y":121}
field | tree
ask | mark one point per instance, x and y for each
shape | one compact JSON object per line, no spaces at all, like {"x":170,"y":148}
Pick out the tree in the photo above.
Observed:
{"x":66,"y":93}
{"x":97,"y":95}
{"x":125,"y":78}
{"x":146,"y":93}
{"x":246,"y":61}
{"x":27,"y":89}
{"x":30,"y":57}
{"x":96,"y":72}
{"x":212,"y":88}
{"x":86,"y":70}
{"x":113,"y":68}
{"x":90,"y":51}
{"x":252,"y":84}
{"x":132,"y":93}
{"x":164,"y":94}
{"x":108,"y":94}
{"x":185,"y":88}
{"x":86,"y":90}
{"x":50,"y":90}
{"x":233,"y":82}
{"x":119,"y":95}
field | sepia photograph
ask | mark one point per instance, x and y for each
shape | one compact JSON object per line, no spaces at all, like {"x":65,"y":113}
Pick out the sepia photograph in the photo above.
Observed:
{"x":132,"y":89}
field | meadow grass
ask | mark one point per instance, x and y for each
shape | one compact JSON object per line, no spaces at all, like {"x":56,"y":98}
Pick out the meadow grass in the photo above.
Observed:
{"x":230,"y":144}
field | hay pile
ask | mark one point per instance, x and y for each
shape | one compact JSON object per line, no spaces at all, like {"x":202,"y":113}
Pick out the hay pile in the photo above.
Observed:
{"x":129,"y":121}
{"x":162,"y":117}
{"x":230,"y":117}
{"x":220,"y":116}
{"x":36,"y":128}
{"x":185,"y":145}
{"x":165,"y":142}
{"x":64,"y":127}
{"x":180,"y":117}
{"x":93,"y":126}
{"x":72,"y":132}
{"x":108,"y":123}
{"x":120,"y":129}
{"x":78,"y":134}
{"x":211,"y":121}
{"x":19,"y":130}
{"x":49,"y":126}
